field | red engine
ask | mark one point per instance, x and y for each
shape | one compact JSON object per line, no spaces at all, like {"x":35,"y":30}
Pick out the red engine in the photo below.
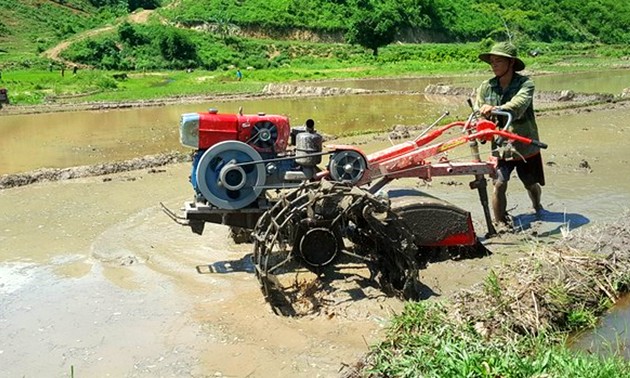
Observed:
{"x":265,"y":133}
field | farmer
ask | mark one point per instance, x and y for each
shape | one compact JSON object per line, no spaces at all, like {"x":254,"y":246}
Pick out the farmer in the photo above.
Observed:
{"x":239,"y":75}
{"x":512,"y":92}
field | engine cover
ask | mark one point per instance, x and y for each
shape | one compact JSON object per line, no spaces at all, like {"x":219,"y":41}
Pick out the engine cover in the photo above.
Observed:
{"x":267,"y":134}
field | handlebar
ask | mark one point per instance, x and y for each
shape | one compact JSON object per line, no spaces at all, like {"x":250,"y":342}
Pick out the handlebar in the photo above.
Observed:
{"x":506,"y":135}
{"x":539,"y":144}
{"x":506,"y":114}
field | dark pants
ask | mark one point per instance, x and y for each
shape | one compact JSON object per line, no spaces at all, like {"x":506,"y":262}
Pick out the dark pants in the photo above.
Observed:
{"x":530,"y":171}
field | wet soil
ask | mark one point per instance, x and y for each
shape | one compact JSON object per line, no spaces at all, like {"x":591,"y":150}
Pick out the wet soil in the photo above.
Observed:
{"x":97,"y":280}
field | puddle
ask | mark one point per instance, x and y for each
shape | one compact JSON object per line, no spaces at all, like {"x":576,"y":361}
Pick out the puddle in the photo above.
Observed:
{"x":612,"y":335}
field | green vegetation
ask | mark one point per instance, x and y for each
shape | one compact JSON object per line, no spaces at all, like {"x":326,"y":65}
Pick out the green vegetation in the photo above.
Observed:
{"x":373,"y":25}
{"x":272,"y":61}
{"x":29,"y":27}
{"x":455,"y":20}
{"x":129,"y":5}
{"x":209,"y":38}
{"x":38,"y":86}
{"x":516,"y":323}
{"x":197,"y":54}
{"x":425,"y":341}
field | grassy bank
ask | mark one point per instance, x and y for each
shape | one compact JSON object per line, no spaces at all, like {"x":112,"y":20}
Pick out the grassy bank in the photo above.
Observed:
{"x":38,"y":85}
{"x":424,"y":342}
{"x":517,"y":322}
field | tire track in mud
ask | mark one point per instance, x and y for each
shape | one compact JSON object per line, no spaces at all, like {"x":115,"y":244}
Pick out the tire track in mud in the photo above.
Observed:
{"x":216,"y":280}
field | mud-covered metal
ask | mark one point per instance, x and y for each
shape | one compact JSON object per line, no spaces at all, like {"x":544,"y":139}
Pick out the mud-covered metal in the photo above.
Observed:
{"x":322,"y":224}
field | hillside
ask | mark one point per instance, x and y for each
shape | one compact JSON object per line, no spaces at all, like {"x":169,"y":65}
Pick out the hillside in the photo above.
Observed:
{"x":602,"y":21}
{"x":225,"y":30}
{"x":292,"y":38}
{"x":30,"y":26}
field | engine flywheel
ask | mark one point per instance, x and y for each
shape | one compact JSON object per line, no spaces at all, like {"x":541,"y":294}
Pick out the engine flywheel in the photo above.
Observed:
{"x":224,"y":177}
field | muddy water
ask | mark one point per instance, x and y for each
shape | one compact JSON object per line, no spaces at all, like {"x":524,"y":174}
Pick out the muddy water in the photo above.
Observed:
{"x":588,"y":82}
{"x":58,"y":140}
{"x":95,"y":278}
{"x":611,"y":337}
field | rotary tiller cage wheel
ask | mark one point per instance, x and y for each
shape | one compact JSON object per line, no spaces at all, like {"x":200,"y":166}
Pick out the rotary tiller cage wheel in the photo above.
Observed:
{"x":326,"y":213}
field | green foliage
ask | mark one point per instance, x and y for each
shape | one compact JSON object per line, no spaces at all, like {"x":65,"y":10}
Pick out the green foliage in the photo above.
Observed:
{"x":128,"y":35}
{"x":130,"y":5}
{"x":31,"y":27}
{"x":30,"y":24}
{"x":438,"y":53}
{"x":137,"y":47}
{"x":142,"y":47}
{"x":177,"y":47}
{"x":455,"y":20}
{"x":425,"y":341}
{"x":102,"y":53}
{"x":320,"y":15}
{"x":581,"y":318}
{"x":283,"y":62}
{"x":492,"y":286}
{"x":374,"y":25}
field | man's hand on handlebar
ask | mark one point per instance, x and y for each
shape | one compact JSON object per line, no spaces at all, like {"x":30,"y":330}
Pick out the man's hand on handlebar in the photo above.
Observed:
{"x":486,"y":110}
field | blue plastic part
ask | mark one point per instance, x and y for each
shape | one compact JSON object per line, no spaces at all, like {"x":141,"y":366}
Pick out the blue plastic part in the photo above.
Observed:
{"x":193,"y":176}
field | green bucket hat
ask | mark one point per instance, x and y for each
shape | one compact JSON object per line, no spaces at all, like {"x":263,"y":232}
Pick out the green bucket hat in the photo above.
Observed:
{"x":504,"y":49}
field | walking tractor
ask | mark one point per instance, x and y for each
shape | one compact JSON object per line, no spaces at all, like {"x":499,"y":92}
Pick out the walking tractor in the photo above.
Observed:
{"x":257,"y":173}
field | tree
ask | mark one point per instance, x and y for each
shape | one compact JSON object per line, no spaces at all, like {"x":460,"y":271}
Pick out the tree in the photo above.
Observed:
{"x":374,"y":25}
{"x":130,"y":36}
{"x":176,"y":48}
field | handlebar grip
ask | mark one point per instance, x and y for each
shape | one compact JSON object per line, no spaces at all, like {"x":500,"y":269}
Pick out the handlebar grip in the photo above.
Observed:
{"x":539,"y":144}
{"x":506,"y":114}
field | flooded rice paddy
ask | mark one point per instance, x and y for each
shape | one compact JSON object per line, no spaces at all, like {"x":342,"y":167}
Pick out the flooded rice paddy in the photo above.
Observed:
{"x":96,"y":280}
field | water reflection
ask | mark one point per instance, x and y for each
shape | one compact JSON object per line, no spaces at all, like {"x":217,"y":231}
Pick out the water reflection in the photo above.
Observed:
{"x":408,"y":84}
{"x":612,"y":336}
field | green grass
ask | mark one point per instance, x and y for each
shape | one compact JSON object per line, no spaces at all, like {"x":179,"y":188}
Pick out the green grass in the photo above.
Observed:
{"x":309,"y":62}
{"x":28,"y":27}
{"x":424,"y":341}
